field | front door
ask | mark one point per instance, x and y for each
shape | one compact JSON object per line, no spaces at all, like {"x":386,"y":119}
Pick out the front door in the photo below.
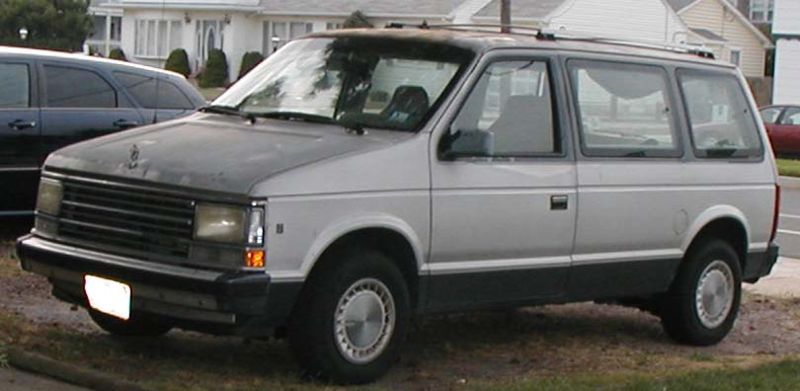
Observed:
{"x":503,"y":192}
{"x":19,"y":138}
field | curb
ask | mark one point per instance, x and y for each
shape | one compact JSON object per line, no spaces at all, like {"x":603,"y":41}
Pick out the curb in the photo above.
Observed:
{"x":69,"y":373}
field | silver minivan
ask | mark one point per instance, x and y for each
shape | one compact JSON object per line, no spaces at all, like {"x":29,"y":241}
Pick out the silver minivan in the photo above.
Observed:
{"x":359,"y":178}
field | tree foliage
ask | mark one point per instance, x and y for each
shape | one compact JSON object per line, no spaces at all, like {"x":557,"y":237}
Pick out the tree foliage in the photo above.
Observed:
{"x":357,"y":20}
{"x":215,"y":73}
{"x":117,"y":54}
{"x":51,"y":24}
{"x":249,"y":61}
{"x":178,"y":61}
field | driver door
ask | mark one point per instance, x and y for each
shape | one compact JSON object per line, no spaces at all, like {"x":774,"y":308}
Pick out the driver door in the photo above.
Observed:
{"x":503,"y":192}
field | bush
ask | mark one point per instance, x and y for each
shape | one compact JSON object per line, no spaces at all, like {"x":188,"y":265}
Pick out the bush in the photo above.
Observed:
{"x":357,"y":20}
{"x":117,"y":54}
{"x":215,"y":73}
{"x":178,"y":61}
{"x":249,"y":61}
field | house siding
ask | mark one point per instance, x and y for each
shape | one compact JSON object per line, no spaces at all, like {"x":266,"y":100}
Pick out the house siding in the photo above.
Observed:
{"x":787,"y":72}
{"x":713,"y":16}
{"x":650,"y":20}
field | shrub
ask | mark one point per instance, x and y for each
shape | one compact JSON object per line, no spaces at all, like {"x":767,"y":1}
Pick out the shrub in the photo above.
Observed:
{"x":249,"y":61}
{"x":178,"y":61}
{"x":215,"y":73}
{"x":357,"y":20}
{"x":117,"y":54}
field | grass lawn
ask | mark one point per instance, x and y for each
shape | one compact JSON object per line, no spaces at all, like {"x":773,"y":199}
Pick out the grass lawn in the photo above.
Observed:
{"x":789,"y":167}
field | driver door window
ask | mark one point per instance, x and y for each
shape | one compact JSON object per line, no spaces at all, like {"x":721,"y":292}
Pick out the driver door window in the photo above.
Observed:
{"x":509,"y":113}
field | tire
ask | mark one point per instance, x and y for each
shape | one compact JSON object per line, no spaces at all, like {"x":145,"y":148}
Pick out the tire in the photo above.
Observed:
{"x":349,"y":323}
{"x":139,"y":324}
{"x":703,"y":302}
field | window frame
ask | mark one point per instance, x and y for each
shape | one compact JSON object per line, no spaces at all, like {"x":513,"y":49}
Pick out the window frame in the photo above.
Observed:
{"x":45,"y":95}
{"x":677,"y":153}
{"x":701,"y":154}
{"x":788,"y":112}
{"x":140,"y":46}
{"x":557,"y":123}
{"x":160,"y":80}
{"x":31,"y":85}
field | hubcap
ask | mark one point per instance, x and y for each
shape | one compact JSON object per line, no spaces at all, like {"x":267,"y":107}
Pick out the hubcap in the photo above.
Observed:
{"x":714,"y":295}
{"x":364,"y":321}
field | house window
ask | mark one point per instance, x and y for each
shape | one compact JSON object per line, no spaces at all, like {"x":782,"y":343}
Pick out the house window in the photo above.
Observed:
{"x":761,"y":11}
{"x":333,"y":26}
{"x":277,"y":34}
{"x":156,"y":38}
{"x":116,"y":28}
{"x":736,"y":57}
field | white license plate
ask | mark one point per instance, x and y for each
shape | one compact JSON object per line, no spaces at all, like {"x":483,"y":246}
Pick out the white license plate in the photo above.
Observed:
{"x":108,"y":296}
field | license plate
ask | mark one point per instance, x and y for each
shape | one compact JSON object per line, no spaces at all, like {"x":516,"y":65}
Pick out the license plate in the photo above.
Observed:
{"x":108,"y":296}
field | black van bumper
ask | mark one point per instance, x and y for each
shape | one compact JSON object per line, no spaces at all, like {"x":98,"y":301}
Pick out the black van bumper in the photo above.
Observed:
{"x":759,"y":264}
{"x":241,"y":303}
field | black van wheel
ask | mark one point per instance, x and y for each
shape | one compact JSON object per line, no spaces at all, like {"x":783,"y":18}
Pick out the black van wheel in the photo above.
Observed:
{"x":348,"y":325}
{"x":703,"y":301}
{"x":139,"y":324}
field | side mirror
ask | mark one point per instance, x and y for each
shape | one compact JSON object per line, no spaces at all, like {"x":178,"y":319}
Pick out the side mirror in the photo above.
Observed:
{"x":466,"y":143}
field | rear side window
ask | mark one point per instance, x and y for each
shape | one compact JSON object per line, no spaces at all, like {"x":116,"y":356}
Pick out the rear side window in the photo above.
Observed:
{"x":14,"y":86}
{"x":624,"y":110}
{"x":152,"y":94}
{"x":72,"y":87}
{"x":720,"y":119}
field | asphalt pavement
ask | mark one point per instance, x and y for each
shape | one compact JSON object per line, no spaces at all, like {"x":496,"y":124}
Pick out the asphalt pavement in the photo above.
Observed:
{"x":12,"y":379}
{"x":789,"y":223}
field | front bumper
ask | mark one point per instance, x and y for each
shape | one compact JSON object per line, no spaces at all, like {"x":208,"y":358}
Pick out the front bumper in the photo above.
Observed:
{"x":759,"y":264}
{"x":242,"y":303}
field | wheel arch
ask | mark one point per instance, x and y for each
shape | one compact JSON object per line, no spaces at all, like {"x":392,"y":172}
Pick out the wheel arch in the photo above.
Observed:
{"x":724,"y":222}
{"x":389,"y":235}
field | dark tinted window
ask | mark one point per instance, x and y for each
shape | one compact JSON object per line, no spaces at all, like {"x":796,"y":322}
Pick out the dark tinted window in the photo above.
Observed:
{"x":72,"y":87}
{"x":154,"y":95}
{"x":721,"y":121}
{"x":14,"y":86}
{"x":624,"y":110}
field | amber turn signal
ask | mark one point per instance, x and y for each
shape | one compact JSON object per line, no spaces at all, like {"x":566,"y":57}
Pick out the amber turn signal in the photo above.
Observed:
{"x":255,"y":258}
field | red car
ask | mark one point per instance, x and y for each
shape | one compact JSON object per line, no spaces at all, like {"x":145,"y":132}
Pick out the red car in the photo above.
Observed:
{"x":783,"y":128}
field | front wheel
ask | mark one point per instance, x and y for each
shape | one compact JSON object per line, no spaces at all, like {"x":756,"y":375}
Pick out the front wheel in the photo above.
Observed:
{"x":351,"y":319}
{"x":703,"y":301}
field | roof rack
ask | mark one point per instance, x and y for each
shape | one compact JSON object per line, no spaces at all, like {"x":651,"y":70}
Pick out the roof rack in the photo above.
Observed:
{"x":552,"y":36}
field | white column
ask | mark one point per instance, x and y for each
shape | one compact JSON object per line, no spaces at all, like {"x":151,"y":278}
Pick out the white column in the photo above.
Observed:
{"x":108,"y":34}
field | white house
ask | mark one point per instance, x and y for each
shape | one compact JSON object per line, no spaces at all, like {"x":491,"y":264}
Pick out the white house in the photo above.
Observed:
{"x":722,"y":28}
{"x":786,"y":29}
{"x":150,"y":29}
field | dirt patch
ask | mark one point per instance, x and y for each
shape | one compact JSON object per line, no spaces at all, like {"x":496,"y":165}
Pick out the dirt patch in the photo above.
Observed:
{"x":444,"y":351}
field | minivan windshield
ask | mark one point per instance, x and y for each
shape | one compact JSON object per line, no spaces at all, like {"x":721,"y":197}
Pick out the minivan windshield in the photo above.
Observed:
{"x":354,"y":81}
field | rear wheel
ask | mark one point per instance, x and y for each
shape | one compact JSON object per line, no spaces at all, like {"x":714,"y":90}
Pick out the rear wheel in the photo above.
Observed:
{"x":703,"y":301}
{"x":139,"y":324}
{"x":349,"y":323}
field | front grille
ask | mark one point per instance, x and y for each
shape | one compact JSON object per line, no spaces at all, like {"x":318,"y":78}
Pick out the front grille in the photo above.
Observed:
{"x":130,"y":221}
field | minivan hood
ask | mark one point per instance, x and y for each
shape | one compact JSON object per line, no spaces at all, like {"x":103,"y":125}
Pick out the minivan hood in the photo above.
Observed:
{"x":213,"y":152}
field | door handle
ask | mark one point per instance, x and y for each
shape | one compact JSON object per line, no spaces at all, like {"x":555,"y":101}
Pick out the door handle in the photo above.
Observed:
{"x":21,"y":124}
{"x":559,"y":202}
{"x":125,"y":124}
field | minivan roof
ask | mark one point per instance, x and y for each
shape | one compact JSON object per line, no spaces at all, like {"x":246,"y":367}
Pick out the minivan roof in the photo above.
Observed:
{"x":480,"y":41}
{"x":79,"y":57}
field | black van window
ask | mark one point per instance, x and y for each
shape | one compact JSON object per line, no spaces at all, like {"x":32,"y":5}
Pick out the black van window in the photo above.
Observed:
{"x":72,"y":87}
{"x":624,"y":110}
{"x":152,"y":95}
{"x":721,"y":121}
{"x":14,"y":85}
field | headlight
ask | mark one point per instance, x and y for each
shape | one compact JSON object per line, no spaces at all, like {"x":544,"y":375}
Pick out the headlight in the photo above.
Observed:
{"x":49,"y":199}
{"x":219,"y":223}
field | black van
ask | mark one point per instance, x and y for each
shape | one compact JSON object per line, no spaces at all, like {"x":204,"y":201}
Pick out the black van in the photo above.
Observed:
{"x":50,"y":99}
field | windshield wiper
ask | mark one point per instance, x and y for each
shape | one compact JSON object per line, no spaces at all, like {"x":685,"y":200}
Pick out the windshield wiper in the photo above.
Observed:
{"x":297,"y":115}
{"x":228,"y":110}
